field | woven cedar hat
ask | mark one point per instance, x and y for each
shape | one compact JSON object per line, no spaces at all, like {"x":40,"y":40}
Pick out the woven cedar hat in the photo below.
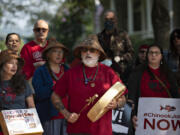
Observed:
{"x":53,"y":43}
{"x":90,"y":42}
{"x":7,"y":55}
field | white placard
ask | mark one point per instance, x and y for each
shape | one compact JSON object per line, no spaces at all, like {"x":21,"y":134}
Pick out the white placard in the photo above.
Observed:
{"x":121,"y":119}
{"x":22,"y":121}
{"x":158,"y":116}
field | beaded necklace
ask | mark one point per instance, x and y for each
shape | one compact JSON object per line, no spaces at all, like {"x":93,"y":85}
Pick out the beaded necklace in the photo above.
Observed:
{"x":90,"y":79}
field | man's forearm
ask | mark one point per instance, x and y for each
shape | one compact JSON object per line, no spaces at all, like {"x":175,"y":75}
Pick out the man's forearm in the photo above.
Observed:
{"x":60,"y":107}
{"x":58,"y":104}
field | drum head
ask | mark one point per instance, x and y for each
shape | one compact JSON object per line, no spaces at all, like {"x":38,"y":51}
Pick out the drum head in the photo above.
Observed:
{"x":99,"y":109}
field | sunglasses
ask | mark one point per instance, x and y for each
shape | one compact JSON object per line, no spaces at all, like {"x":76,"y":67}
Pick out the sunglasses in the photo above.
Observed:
{"x":92,"y":50}
{"x":40,"y":29}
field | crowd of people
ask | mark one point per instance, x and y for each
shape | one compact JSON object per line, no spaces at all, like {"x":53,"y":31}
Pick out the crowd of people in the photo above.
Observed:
{"x":37,"y":76}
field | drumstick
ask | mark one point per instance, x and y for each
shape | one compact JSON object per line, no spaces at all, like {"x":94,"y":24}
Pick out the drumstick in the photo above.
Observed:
{"x":89,"y":101}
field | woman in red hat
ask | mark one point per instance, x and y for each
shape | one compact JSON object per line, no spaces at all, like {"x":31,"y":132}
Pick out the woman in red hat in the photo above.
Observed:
{"x":45,"y":77}
{"x":15,"y":92}
{"x":82,"y":82}
{"x":141,"y":55}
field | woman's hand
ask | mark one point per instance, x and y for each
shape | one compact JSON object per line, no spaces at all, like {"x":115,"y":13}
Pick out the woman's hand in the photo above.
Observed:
{"x":117,"y":103}
{"x":134,"y":120}
{"x":121,"y":101}
{"x":30,"y":101}
{"x":73,"y":117}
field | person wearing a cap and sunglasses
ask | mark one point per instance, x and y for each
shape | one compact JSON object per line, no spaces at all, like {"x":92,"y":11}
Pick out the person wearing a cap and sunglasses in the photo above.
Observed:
{"x":31,"y":52}
{"x":15,"y":92}
{"x":141,"y":54}
{"x":45,"y":77}
{"x":82,"y":82}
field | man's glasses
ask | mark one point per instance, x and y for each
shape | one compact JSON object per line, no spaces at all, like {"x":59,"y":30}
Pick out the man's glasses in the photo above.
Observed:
{"x":92,"y":50}
{"x":40,"y":29}
{"x":154,"y":53}
{"x":57,"y":52}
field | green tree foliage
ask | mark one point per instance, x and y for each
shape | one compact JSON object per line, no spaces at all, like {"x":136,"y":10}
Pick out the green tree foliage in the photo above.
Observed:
{"x":137,"y":41}
{"x":161,"y":22}
{"x":34,"y":9}
{"x":73,"y":20}
{"x":0,"y":13}
{"x":2,"y":45}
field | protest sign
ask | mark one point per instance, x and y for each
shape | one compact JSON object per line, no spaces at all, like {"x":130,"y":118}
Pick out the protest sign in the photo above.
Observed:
{"x":158,"y":116}
{"x":20,"y":122}
{"x":121,"y":118}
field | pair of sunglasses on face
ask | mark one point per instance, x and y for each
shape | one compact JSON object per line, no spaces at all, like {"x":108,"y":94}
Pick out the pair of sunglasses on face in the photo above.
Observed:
{"x":40,"y":29}
{"x":92,"y":50}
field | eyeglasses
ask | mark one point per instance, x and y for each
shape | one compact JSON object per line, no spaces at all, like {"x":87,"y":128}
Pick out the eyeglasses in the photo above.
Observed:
{"x":40,"y":29}
{"x":154,"y":53}
{"x":92,"y":50}
{"x":58,"y":52}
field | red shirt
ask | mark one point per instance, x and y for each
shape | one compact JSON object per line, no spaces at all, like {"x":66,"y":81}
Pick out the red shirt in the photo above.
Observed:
{"x":31,"y":53}
{"x":75,"y":62}
{"x":72,"y":84}
{"x":64,"y":100}
{"x":152,"y":87}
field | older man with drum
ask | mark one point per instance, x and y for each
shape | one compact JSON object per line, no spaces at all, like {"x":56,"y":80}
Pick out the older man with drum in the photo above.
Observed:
{"x":81,"y":83}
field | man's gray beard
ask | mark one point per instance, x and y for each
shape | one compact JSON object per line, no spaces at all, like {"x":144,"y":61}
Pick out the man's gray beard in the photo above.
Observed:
{"x":90,"y":63}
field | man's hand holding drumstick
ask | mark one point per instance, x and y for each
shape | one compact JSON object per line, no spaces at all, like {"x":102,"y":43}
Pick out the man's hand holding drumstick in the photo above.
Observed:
{"x":70,"y":117}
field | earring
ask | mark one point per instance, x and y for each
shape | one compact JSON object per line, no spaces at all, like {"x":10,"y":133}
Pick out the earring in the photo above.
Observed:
{"x":161,"y":62}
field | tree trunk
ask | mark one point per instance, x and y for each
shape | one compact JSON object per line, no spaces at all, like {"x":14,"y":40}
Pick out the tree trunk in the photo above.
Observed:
{"x":161,"y":22}
{"x":176,"y":4}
